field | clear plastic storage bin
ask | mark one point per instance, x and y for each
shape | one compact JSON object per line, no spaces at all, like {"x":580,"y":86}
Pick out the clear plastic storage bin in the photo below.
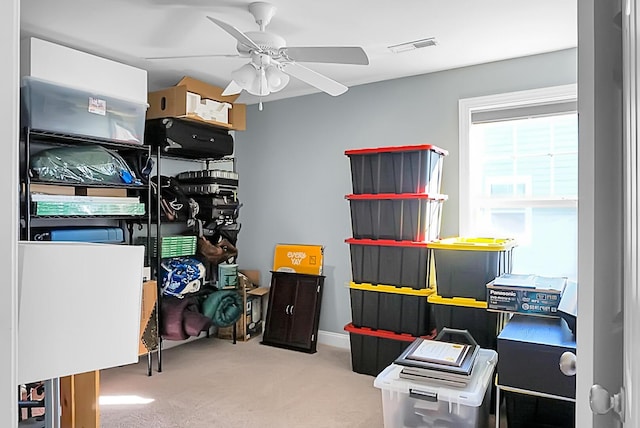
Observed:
{"x":407,"y":403}
{"x":55,"y":108}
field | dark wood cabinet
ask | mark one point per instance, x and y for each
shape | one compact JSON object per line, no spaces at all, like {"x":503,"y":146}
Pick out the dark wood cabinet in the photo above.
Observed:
{"x":294,"y":311}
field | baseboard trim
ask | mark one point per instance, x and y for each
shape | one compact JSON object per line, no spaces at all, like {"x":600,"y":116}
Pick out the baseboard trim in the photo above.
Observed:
{"x":339,"y":340}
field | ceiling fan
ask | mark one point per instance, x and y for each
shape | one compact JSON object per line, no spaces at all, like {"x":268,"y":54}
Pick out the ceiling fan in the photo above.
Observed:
{"x":272,"y":61}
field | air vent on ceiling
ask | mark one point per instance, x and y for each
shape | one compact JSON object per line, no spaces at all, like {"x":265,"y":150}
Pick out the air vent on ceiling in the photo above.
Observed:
{"x":416,"y":44}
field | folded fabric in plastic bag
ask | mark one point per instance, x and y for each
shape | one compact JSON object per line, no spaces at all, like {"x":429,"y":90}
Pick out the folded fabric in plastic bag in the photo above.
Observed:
{"x":181,"y":318}
{"x":181,"y":275}
{"x":82,"y":164}
{"x":223,"y":307}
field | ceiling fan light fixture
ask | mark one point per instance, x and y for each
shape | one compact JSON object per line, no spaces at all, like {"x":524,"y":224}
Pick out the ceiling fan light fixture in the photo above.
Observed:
{"x":270,"y":57}
{"x":260,"y":86}
{"x":276,"y":78}
{"x":245,"y":76}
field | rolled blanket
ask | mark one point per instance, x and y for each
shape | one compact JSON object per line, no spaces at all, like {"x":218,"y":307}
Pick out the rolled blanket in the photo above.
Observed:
{"x":224,"y":307}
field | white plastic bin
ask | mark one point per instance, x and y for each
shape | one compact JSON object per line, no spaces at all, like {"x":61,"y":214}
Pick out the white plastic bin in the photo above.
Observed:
{"x":408,"y":403}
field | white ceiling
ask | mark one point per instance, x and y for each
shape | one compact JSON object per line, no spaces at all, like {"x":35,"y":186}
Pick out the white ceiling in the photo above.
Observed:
{"x":467,"y":32}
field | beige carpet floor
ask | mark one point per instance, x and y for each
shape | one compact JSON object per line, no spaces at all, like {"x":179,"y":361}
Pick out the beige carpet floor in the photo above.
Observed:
{"x":213,"y":383}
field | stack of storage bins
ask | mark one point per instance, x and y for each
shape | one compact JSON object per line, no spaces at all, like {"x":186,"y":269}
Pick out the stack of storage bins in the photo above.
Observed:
{"x":395,"y":211}
{"x":463,"y":268}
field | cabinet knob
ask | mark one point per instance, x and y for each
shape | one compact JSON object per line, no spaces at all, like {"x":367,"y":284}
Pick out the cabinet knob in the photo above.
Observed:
{"x":568,"y":364}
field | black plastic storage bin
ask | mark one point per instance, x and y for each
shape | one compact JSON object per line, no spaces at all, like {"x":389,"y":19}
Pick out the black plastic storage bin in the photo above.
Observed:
{"x":384,"y":307}
{"x":400,"y":169}
{"x":373,"y":350}
{"x":466,"y":314}
{"x":526,"y":411}
{"x":401,"y":217}
{"x":464,"y":266}
{"x":397,"y":263}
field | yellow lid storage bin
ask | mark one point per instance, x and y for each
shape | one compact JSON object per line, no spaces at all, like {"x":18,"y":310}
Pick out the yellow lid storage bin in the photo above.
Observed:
{"x":466,"y":314}
{"x":464,"y":302}
{"x":464,"y":266}
{"x":474,"y":244}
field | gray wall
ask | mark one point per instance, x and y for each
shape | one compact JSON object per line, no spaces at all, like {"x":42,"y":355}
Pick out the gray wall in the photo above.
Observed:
{"x":294,"y":174}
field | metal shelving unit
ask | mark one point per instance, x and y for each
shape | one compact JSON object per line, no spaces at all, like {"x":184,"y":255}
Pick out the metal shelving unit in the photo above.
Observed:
{"x":29,"y":219}
{"x":208,"y":161}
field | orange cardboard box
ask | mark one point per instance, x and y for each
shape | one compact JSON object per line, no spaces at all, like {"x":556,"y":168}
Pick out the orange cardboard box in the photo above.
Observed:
{"x":296,"y":258}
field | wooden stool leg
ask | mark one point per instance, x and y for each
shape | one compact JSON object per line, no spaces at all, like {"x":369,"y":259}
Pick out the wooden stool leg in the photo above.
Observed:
{"x":80,"y":394}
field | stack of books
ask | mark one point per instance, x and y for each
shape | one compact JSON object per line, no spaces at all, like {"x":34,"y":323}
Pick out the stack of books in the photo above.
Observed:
{"x":441,"y":362}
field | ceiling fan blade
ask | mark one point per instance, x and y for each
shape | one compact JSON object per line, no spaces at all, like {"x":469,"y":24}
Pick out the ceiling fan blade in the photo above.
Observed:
{"x":331,"y":54}
{"x":237,"y":34}
{"x":194,"y":56}
{"x":315,"y":79}
{"x":232,"y":89}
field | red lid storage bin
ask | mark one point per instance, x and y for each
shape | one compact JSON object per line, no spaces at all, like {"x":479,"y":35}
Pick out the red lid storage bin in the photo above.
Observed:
{"x":398,"y":169}
{"x":373,"y":350}
{"x":402,"y":217}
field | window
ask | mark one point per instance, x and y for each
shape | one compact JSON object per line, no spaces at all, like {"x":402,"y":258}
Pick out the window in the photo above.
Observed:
{"x":519,"y":175}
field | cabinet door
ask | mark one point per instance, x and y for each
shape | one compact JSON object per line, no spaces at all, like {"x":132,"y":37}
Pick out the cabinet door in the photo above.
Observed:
{"x":282,"y":295}
{"x":304,"y":314}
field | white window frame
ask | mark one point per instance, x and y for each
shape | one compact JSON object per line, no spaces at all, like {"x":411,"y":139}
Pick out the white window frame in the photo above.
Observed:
{"x":468,"y":106}
{"x":525,"y":238}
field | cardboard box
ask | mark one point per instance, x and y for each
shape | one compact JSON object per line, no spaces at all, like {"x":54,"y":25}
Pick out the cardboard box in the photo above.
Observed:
{"x":148,"y":328}
{"x":95,"y":191}
{"x":250,"y":324}
{"x":298,"y":259}
{"x":253,"y":297}
{"x":52,"y":189}
{"x":178,"y":100}
{"x":252,"y":275}
{"x":528,"y":294}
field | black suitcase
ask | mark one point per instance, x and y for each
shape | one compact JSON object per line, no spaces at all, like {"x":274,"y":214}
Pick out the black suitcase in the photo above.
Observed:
{"x":208,"y":182}
{"x":209,"y":189}
{"x":214,"y":208}
{"x":209,"y":176}
{"x":188,"y":138}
